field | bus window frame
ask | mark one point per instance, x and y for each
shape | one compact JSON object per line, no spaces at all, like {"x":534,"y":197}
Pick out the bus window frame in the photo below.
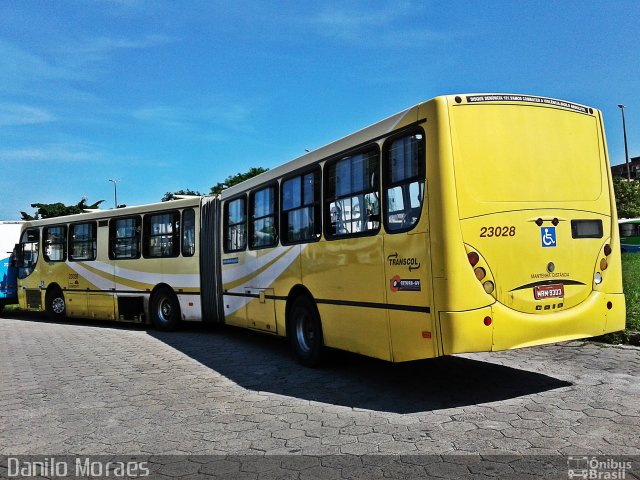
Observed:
{"x":316,"y":204}
{"x":369,"y":147}
{"x":93,"y":241}
{"x":226,"y":226}
{"x":388,"y":185}
{"x":275,"y":215}
{"x":112,"y":236}
{"x":176,"y":234}
{"x":47,"y":244}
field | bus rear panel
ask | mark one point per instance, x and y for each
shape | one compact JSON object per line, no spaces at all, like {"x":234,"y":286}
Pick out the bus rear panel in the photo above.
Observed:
{"x":539,"y":252}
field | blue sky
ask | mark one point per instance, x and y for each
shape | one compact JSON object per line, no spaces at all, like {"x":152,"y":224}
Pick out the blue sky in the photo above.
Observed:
{"x":170,"y":95}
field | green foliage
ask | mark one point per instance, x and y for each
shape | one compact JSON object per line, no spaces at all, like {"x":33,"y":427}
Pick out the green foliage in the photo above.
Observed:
{"x":51,"y":210}
{"x":235,"y":179}
{"x":627,"y":197}
{"x":172,"y":195}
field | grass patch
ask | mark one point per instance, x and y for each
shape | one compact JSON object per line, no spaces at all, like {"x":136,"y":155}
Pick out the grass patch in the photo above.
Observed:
{"x":631,"y":285}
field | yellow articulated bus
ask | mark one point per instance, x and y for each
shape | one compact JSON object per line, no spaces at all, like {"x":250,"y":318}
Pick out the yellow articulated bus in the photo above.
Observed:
{"x":139,"y":264}
{"x":467,"y":223}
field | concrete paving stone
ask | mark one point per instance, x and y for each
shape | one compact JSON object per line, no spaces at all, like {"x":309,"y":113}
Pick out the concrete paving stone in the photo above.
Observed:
{"x":273,"y":425}
{"x":525,"y":424}
{"x":446,"y":470}
{"x":459,"y":426}
{"x":288,"y":434}
{"x":358,"y":448}
{"x":303,"y":442}
{"x":390,"y":428}
{"x":511,"y":445}
{"x":397,"y":448}
{"x":268,"y":444}
{"x":321,"y":472}
{"x":356,"y":430}
{"x":321,"y":432}
{"x":338,"y":439}
{"x":431,"y":447}
{"x":523,"y":434}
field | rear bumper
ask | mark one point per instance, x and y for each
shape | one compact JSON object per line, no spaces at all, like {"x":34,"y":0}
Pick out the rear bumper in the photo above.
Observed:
{"x":464,"y":332}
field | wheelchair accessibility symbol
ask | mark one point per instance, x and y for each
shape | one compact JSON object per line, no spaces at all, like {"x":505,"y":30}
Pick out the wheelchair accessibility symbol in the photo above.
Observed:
{"x":548,"y":235}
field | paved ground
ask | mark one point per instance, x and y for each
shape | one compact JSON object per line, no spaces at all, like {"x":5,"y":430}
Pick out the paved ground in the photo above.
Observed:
{"x":93,"y":389}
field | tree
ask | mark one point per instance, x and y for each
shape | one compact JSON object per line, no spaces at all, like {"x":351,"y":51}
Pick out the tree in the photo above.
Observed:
{"x":237,"y":178}
{"x":51,"y":210}
{"x":172,"y":195}
{"x":627,"y":197}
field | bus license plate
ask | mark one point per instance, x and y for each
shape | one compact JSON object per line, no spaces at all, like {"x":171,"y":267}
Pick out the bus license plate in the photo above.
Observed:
{"x":548,"y":291}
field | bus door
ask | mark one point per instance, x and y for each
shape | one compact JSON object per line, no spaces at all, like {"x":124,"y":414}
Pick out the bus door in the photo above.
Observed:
{"x":29,"y":287}
{"x":406,"y":249}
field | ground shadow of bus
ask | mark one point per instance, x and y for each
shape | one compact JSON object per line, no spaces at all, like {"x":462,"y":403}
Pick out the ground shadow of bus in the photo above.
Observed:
{"x":263,"y":363}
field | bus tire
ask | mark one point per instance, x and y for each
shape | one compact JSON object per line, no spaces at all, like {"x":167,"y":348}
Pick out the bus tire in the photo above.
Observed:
{"x":305,"y":332}
{"x":165,"y":310}
{"x":55,"y":305}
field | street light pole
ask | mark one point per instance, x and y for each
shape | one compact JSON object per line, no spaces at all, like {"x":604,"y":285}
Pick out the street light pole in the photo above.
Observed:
{"x":626,"y":149}
{"x":115,"y":192}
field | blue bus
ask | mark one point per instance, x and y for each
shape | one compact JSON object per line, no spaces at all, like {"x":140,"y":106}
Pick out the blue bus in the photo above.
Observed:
{"x":9,"y":236}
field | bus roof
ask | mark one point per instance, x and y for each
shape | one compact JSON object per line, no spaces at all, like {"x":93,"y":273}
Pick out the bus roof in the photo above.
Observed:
{"x":104,"y":214}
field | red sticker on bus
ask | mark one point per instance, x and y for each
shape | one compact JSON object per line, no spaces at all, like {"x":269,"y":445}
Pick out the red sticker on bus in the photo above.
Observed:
{"x":548,"y":291}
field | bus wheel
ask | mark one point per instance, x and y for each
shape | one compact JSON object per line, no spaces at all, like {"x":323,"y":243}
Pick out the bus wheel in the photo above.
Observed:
{"x":55,"y":304}
{"x":305,"y":332}
{"x":165,"y":310}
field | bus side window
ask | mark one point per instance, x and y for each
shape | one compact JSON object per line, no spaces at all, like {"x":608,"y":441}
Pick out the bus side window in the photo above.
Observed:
{"x":161,"y":235}
{"x":83,"y":241}
{"x":188,"y":232}
{"x":263,"y":228}
{"x":300,"y":214}
{"x":352,"y":193}
{"x":235,"y":225}
{"x":124,"y":238}
{"x":404,"y":172}
{"x":55,"y":243}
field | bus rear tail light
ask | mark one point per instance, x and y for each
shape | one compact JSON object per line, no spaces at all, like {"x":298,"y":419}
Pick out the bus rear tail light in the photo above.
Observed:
{"x":607,"y":250}
{"x":489,"y":287}
{"x":603,"y":264}
{"x":487,"y":321}
{"x":480,"y":273}
{"x":597,"y":278}
{"x":474,"y":258}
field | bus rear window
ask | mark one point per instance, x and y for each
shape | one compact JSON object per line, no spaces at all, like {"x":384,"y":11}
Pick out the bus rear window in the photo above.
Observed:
{"x":517,"y":153}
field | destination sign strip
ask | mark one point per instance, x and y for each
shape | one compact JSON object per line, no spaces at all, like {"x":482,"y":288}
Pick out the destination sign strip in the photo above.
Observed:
{"x":529,"y":99}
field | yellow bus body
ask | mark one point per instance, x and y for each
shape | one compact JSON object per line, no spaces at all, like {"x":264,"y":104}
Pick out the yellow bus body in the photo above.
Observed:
{"x":475,"y":222}
{"x":107,"y":288}
{"x":495,"y":165}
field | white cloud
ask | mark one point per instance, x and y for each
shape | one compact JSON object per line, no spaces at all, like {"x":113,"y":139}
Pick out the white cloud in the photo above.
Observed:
{"x":382,"y":26}
{"x":15,"y":115}
{"x":66,"y":153}
{"x":231,"y":116}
